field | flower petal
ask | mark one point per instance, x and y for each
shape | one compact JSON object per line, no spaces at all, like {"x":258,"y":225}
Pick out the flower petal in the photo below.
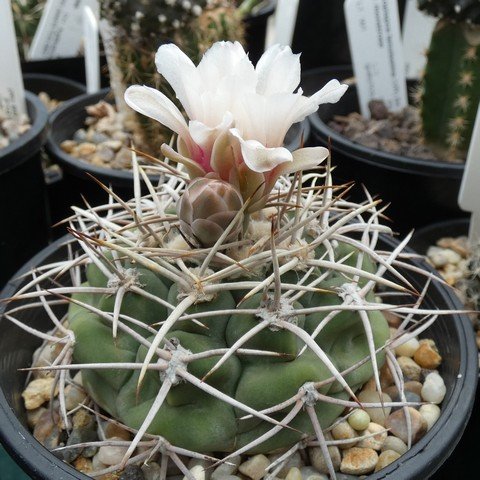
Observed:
{"x":205,"y":136}
{"x":182,"y":75}
{"x":156,"y":105}
{"x":332,"y":92}
{"x":194,"y":169}
{"x":278,"y":71}
{"x":259,"y":158}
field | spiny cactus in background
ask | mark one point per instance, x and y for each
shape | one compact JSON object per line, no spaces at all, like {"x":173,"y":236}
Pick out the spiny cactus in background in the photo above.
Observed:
{"x":26,"y":15}
{"x":450,"y":89}
{"x":138,"y":27}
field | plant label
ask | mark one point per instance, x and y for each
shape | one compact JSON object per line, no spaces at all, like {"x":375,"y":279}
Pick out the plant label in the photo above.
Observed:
{"x":281,"y":25}
{"x":469,"y":197}
{"x":60,"y":31}
{"x":12,"y":93}
{"x":92,"y":53}
{"x":373,"y":28}
{"x":417,"y":32}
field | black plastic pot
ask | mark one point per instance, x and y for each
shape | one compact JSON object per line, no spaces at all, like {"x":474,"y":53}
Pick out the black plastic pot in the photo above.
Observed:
{"x":57,"y":87}
{"x":463,"y":460}
{"x":25,"y":219}
{"x":67,"y":119}
{"x":256,"y":30}
{"x":453,"y":336}
{"x":70,"y":67}
{"x":419,"y":191}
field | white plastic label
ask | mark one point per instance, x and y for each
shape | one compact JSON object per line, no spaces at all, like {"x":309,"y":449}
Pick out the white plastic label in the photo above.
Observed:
{"x":92,"y":56}
{"x":281,"y":26}
{"x":417,"y":32}
{"x":12,"y":93}
{"x":60,"y":31}
{"x":469,"y":197}
{"x":373,"y":28}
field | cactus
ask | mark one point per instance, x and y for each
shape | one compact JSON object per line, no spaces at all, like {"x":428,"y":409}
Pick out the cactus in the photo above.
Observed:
{"x":26,"y":15}
{"x":450,"y":89}
{"x":136,"y":29}
{"x":254,"y":337}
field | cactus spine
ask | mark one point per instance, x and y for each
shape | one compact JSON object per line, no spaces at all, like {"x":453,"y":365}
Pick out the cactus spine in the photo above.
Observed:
{"x":450,"y":90}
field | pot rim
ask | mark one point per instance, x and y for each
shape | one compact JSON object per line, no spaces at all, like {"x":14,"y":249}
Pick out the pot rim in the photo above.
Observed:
{"x":55,"y":78}
{"x":28,"y":144}
{"x":448,"y":429}
{"x":376,"y":157}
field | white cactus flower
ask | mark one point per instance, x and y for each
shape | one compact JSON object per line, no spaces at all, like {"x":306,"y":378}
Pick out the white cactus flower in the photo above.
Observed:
{"x":238,"y":114}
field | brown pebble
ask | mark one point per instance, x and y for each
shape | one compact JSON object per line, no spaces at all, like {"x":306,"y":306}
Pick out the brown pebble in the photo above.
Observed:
{"x":359,"y":461}
{"x":46,"y":430}
{"x":386,"y":458}
{"x":392,"y":318}
{"x":68,"y":145}
{"x":82,"y":419}
{"x":85,"y":149}
{"x":38,"y":392}
{"x":427,"y":355}
{"x":83,"y":465}
{"x":113,"y":430}
{"x":397,"y":424}
{"x":410,"y":369}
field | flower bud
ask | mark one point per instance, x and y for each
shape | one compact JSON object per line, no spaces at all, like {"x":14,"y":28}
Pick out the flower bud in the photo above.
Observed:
{"x":206,"y":209}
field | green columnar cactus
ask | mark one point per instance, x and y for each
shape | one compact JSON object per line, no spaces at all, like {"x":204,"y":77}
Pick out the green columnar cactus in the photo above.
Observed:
{"x":450,"y":90}
{"x":26,"y":15}
{"x":137,"y":30}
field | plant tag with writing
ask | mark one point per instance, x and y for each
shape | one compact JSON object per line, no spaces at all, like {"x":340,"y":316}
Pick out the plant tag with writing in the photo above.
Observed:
{"x":469,"y":197}
{"x":60,"y":31}
{"x":373,"y":28}
{"x":281,"y":25}
{"x":92,"y":55}
{"x":12,"y":93}
{"x":417,"y":32}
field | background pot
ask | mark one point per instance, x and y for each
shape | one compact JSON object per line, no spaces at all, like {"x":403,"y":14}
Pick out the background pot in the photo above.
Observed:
{"x":72,"y":68}
{"x":76,"y":181}
{"x":453,"y":336}
{"x":25,"y":219}
{"x":464,"y":459}
{"x":420,"y":191}
{"x":256,"y":30}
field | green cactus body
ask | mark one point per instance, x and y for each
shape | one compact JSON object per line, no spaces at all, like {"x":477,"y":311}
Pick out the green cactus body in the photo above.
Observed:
{"x":193,"y":419}
{"x":450,"y":90}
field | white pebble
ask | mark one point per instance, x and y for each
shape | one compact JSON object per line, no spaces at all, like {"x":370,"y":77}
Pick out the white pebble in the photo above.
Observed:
{"x":198,"y":472}
{"x":434,"y":388}
{"x":442,"y":256}
{"x":430,"y":413}
{"x":408,"y":348}
{"x":111,"y":455}
{"x":255,"y":467}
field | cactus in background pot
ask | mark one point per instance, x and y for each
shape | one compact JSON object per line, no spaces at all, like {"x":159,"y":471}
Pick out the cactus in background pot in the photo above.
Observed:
{"x":450,"y":90}
{"x":26,"y":15}
{"x":236,"y":308}
{"x":133,"y":30}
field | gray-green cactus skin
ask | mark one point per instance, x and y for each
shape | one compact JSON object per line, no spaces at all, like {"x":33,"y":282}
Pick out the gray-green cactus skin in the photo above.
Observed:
{"x":450,"y":89}
{"x":195,"y":420}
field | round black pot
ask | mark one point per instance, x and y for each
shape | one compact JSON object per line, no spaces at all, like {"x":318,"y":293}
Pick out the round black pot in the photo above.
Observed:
{"x":57,"y":87}
{"x":25,"y":219}
{"x":419,"y":191}
{"x":62,"y":89}
{"x":453,"y":336}
{"x":70,"y":67}
{"x":463,"y":459}
{"x":67,"y":119}
{"x":256,"y":30}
